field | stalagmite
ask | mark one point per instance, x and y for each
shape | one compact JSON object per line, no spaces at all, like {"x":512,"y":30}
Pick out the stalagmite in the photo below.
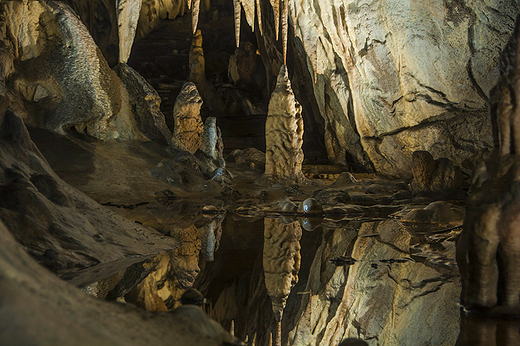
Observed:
{"x":285,"y":28}
{"x":238,"y":12}
{"x":283,"y":134}
{"x":127,"y":19}
{"x":249,"y":10}
{"x":212,"y":144}
{"x":195,"y":14}
{"x":276,"y":9}
{"x":281,"y":260}
{"x":259,"y":16}
{"x":188,"y":127}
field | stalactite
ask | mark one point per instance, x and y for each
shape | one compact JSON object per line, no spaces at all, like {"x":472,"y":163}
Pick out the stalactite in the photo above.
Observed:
{"x":189,"y":4}
{"x":249,"y":9}
{"x":237,"y":10}
{"x":195,"y":14}
{"x":127,"y":17}
{"x":285,"y":28}
{"x":275,"y":4}
{"x":292,"y":12}
{"x":259,"y":16}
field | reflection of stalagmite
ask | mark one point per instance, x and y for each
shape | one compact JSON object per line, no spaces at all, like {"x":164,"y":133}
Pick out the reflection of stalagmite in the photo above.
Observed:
{"x":210,"y":237}
{"x":281,"y":260}
{"x":127,"y":18}
{"x":284,"y":133}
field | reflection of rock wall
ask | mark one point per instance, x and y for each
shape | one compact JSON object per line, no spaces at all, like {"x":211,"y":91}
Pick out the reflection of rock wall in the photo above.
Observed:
{"x":281,"y":261}
{"x":407,"y":303}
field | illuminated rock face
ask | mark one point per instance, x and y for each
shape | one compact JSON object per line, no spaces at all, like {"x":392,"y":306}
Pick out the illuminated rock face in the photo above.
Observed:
{"x":127,"y":17}
{"x":284,"y":134}
{"x":188,"y":126}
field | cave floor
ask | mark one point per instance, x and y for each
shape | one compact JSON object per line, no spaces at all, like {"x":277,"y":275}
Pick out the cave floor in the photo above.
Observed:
{"x":365,"y":268}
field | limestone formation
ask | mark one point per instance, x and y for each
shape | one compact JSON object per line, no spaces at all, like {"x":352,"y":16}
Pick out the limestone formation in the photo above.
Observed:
{"x":281,"y":261}
{"x":245,"y":68}
{"x":127,"y":19}
{"x":145,"y":105}
{"x":489,"y":251}
{"x":155,"y":11}
{"x":188,"y":126}
{"x":62,"y":314}
{"x":284,"y":133}
{"x":211,"y":143}
{"x":73,"y":231}
{"x":198,"y":74}
{"x":64,"y":82}
{"x":431,"y":175}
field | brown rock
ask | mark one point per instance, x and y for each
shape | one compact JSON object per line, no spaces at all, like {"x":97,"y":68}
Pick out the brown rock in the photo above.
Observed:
{"x":188,"y":126}
{"x":431,"y":175}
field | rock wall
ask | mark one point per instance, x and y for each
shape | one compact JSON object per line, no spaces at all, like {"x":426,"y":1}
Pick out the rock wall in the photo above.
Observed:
{"x":418,"y":74}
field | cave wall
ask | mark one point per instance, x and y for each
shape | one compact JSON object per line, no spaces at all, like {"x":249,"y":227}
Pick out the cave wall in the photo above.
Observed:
{"x":418,"y":74}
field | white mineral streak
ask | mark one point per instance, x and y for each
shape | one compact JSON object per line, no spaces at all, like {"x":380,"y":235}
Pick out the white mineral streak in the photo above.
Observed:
{"x":284,"y":133}
{"x":259,"y":16}
{"x":285,"y":28}
{"x":127,"y":19}
{"x":195,"y":15}
{"x":281,"y":261}
{"x":275,"y":4}
{"x":249,"y":9}
{"x":238,"y":12}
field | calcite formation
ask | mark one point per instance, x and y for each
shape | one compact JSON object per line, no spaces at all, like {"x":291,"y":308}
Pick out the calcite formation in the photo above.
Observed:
{"x":488,"y":251}
{"x":127,"y":19}
{"x":188,"y":126}
{"x":281,"y":259}
{"x":73,"y":231}
{"x":284,"y":133}
{"x":198,"y":74}
{"x":431,"y":175}
{"x":212,"y":144}
{"x":145,"y":105}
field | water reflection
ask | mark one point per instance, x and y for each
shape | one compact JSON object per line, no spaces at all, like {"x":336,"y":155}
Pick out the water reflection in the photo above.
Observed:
{"x":281,"y":261}
{"x":377,"y":279}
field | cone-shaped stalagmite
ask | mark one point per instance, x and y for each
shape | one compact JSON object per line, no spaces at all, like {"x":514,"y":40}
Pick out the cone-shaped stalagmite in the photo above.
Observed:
{"x":127,"y":18}
{"x":281,"y":260}
{"x":284,"y":133}
{"x":188,"y":127}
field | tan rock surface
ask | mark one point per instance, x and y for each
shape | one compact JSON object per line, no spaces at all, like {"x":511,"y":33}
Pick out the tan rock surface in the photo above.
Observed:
{"x":188,"y":126}
{"x":284,"y":133}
